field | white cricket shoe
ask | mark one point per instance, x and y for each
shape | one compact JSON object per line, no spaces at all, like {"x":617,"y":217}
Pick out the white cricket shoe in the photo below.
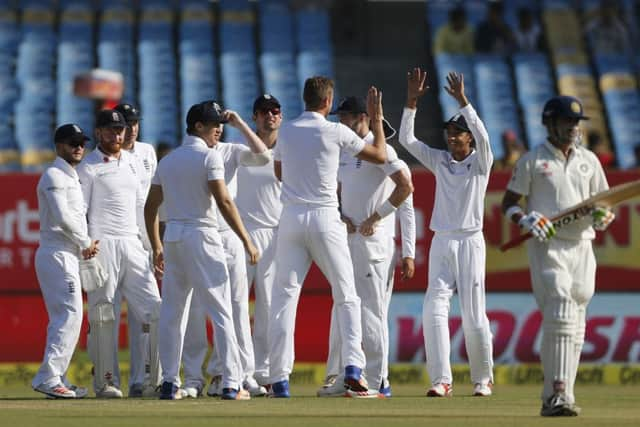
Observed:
{"x":440,"y":390}
{"x":483,"y":390}
{"x":254,"y":389}
{"x":369,"y":394}
{"x":109,"y":391}
{"x":215,"y":387}
{"x":58,"y":391}
{"x":559,"y":406}
{"x":193,"y":392}
{"x":334,"y":387}
{"x":81,"y":392}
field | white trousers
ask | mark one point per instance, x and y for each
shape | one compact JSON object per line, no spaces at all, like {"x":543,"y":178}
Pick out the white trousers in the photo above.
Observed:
{"x":195,"y":263}
{"x":262,"y":275}
{"x":308,"y":234}
{"x":59,"y":279}
{"x":196,"y":344}
{"x":372,"y":260}
{"x":563,"y":279}
{"x":457,"y":262}
{"x":130,"y":275}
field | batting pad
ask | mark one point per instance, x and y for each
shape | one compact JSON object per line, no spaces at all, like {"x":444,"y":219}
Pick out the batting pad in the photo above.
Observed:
{"x":102,"y":342}
{"x":559,"y":323}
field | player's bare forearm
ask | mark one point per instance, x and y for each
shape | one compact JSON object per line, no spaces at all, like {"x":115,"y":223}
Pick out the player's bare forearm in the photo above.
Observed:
{"x":151,"y":207}
{"x":509,"y":200}
{"x":403,"y":188}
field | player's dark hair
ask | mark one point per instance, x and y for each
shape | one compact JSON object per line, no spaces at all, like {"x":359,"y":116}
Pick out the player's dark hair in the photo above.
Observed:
{"x":316,"y":90}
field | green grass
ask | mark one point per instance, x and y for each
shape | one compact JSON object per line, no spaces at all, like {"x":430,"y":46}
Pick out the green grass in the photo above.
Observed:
{"x":512,"y":405}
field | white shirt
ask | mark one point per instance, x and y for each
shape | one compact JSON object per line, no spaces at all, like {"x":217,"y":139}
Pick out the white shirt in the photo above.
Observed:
{"x":145,"y":154}
{"x":258,"y":197}
{"x":233,"y":156}
{"x":551,"y":183}
{"x":112,"y":191}
{"x":309,"y":148}
{"x":460,"y":186}
{"x":184,"y":174}
{"x":62,"y":208}
{"x":407,"y":217}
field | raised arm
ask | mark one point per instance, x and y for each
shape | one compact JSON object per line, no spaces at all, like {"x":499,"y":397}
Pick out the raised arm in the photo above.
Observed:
{"x":376,"y":152}
{"x":416,"y":87}
{"x":259,"y":154}
{"x":477,"y":128}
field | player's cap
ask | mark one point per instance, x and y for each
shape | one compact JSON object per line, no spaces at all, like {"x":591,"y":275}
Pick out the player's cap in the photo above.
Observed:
{"x":358,"y":105}
{"x":265,"y":102}
{"x":131,"y":114}
{"x":458,"y":121}
{"x":69,"y":132}
{"x":110,"y":119}
{"x":563,"y":106}
{"x":205,"y":112}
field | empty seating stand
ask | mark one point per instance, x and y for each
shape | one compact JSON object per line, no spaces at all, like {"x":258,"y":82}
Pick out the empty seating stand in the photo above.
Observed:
{"x":9,"y":38}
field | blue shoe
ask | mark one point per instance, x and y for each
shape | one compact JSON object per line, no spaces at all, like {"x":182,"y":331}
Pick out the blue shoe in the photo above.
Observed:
{"x":233,"y":394}
{"x":280,"y":389}
{"x":353,"y":379}
{"x":168,"y":391}
{"x":385,"y":391}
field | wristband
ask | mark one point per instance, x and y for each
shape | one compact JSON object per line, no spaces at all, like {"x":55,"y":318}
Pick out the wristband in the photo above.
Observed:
{"x":513,"y":210}
{"x":386,"y":209}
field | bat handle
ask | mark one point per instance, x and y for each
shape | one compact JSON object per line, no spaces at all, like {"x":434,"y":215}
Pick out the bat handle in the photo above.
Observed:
{"x":515,"y":242}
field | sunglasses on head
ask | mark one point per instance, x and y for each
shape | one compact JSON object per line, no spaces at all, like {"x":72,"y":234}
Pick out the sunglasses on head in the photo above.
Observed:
{"x":275,"y":111}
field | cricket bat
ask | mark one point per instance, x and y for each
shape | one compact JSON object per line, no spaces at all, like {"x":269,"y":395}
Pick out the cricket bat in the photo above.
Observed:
{"x":607,"y":199}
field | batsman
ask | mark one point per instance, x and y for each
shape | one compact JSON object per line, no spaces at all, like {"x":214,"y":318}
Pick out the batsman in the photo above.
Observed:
{"x":552,"y":177}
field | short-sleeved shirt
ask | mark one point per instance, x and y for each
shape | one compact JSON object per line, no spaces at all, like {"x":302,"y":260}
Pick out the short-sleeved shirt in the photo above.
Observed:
{"x":62,"y":208}
{"x":184,"y":174}
{"x":461,"y":186}
{"x":112,"y":191}
{"x":552,"y":183}
{"x":147,"y":165}
{"x":258,"y":197}
{"x":309,"y":148}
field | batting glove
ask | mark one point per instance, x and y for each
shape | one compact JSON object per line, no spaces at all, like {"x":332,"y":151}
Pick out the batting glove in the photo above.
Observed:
{"x":602,"y":217}
{"x":538,"y":225}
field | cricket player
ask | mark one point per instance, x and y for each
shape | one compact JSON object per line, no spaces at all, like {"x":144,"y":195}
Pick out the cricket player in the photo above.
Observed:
{"x":370,"y":196}
{"x":196,"y":345}
{"x":306,"y":160}
{"x":457,"y":254}
{"x":110,"y":180}
{"x":147,"y":164}
{"x":63,"y":240}
{"x":189,"y":181}
{"x":258,"y":201}
{"x":552,"y":177}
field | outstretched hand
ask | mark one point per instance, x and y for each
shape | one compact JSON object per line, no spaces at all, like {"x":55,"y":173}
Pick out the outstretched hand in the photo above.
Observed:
{"x":374,"y":104}
{"x":456,"y":88}
{"x":416,"y":85}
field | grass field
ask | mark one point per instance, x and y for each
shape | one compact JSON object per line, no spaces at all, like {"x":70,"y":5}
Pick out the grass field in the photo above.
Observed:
{"x":511,"y":405}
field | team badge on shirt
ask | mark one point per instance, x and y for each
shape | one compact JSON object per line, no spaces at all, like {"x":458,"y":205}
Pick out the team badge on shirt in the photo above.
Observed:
{"x":146,"y":164}
{"x":584,"y":168}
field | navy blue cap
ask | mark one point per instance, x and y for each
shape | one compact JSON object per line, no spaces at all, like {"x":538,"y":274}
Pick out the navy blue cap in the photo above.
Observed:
{"x":131,"y":114}
{"x":110,"y":119}
{"x":358,"y":105}
{"x":563,"y":106}
{"x":264,"y":102}
{"x":205,"y":112}
{"x":458,"y":121}
{"x":69,"y":132}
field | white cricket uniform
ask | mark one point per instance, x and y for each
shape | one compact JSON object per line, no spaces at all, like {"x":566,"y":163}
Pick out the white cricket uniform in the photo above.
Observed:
{"x":233,"y":155}
{"x":194,"y":257}
{"x":562,"y":269}
{"x":112,"y":191}
{"x":63,"y":233}
{"x":364,"y":187}
{"x":145,"y":154}
{"x":458,"y":254}
{"x":258,"y":201}
{"x":309,"y":151}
